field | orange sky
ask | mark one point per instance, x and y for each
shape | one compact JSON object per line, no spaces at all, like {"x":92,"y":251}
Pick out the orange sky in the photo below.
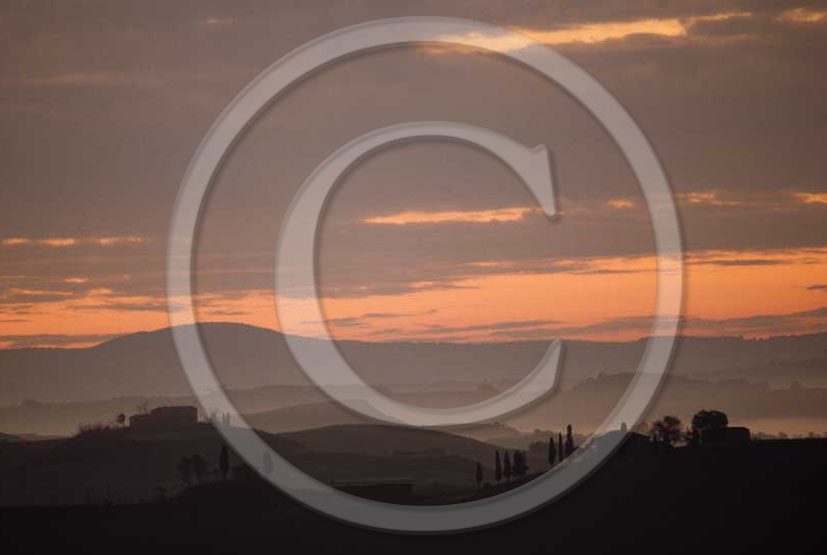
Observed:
{"x":725,"y":97}
{"x":720,"y":286}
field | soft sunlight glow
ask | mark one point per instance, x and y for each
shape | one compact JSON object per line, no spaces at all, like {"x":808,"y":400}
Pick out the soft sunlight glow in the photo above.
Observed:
{"x":803,"y":15}
{"x":593,"y":33}
{"x":812,"y":198}
{"x":620,"y":204}
{"x":58,"y":242}
{"x":709,"y":198}
{"x":456,"y":216}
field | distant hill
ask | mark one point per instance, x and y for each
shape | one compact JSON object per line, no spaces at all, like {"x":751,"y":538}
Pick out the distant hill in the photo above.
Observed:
{"x":246,"y":357}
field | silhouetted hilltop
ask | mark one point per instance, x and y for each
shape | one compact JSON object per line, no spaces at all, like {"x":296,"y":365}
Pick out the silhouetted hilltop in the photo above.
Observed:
{"x":750,"y":499}
{"x":124,"y":466}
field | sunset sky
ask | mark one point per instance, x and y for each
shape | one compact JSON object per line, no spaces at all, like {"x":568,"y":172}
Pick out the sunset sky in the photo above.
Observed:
{"x":103,"y":104}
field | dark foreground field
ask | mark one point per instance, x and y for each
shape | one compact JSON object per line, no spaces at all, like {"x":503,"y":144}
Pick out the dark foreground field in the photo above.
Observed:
{"x":769,"y":495}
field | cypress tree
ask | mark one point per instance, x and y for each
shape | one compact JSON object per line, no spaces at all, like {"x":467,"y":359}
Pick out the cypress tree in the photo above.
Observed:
{"x":507,"y":466}
{"x":520,"y":466}
{"x":552,"y":452}
{"x":569,"y":441}
{"x":498,"y":469}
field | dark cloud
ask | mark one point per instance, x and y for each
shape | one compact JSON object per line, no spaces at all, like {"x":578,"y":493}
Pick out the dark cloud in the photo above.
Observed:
{"x":146,"y":306}
{"x":768,"y":324}
{"x":739,"y":262}
{"x":345,"y":322}
{"x":215,"y":312}
{"x":37,"y":340}
{"x":817,"y":287}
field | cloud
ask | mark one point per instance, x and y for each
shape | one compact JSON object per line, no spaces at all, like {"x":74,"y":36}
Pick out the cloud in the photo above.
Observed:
{"x":811,"y":198}
{"x":803,"y":15}
{"x":740,"y":262}
{"x":52,"y":340}
{"x":58,"y":242}
{"x":508,"y":325}
{"x":590,"y":33}
{"x":345,"y":322}
{"x":149,"y":305}
{"x":219,"y":312}
{"x":817,"y":287}
{"x":620,"y":203}
{"x":709,"y":198}
{"x":452,"y":216}
{"x":806,"y":321}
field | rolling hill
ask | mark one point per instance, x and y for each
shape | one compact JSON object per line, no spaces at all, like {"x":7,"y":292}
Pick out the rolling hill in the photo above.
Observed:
{"x":247,"y":357}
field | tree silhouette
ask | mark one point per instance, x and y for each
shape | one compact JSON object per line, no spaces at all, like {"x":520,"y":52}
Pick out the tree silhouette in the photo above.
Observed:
{"x":560,"y":446}
{"x":569,"y":441}
{"x":707,"y":420}
{"x":520,"y":466}
{"x":121,"y":420}
{"x":224,"y":462}
{"x":479,"y":475}
{"x":185,"y":470}
{"x":199,"y":468}
{"x":507,"y":466}
{"x":498,"y":469}
{"x":552,"y":452}
{"x":667,"y":430}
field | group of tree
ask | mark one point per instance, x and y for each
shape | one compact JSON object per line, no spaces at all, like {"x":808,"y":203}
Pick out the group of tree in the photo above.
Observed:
{"x":511,"y":465}
{"x":563,"y":450}
{"x":669,"y":430}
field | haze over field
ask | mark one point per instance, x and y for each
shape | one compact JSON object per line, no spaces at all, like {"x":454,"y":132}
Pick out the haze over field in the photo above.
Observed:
{"x":778,"y":383}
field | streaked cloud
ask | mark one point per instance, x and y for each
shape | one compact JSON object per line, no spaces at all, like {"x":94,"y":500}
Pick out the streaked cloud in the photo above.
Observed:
{"x":803,"y":15}
{"x":761,"y":325}
{"x":58,"y":242}
{"x":41,"y":340}
{"x":452,"y":216}
{"x":812,"y":198}
{"x":592,"y":33}
{"x":620,"y":203}
{"x":709,"y":198}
